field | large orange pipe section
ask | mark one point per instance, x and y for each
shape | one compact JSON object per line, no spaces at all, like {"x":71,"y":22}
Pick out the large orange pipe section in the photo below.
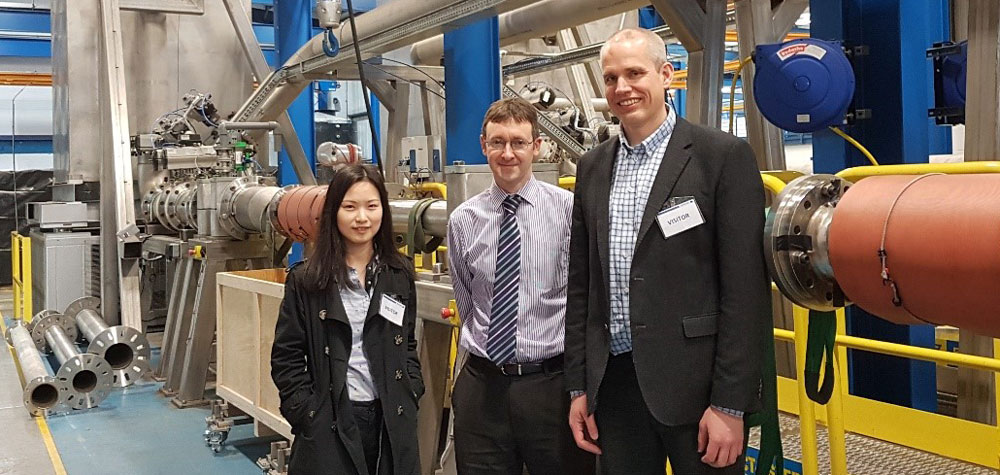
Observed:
{"x":941,"y":247}
{"x":299,"y":211}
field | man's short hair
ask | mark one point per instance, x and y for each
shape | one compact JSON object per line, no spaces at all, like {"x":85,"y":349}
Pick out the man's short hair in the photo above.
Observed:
{"x":512,"y":109}
{"x":655,"y":47}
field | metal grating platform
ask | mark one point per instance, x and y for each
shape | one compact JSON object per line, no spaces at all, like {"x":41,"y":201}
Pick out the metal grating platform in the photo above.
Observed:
{"x":868,"y":456}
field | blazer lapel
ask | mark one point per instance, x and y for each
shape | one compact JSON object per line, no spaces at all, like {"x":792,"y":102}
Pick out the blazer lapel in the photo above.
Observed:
{"x":603,"y":170}
{"x":675,"y":159}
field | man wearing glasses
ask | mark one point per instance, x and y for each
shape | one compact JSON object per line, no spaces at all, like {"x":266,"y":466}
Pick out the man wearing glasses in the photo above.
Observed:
{"x":508,"y":248}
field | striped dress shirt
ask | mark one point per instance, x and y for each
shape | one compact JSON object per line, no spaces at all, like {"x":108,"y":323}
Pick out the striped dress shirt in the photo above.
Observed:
{"x":543,"y":219}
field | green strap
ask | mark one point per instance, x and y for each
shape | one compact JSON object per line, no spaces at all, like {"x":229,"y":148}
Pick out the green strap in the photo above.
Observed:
{"x":822,"y":333}
{"x":771,"y":452}
{"x":416,"y":240}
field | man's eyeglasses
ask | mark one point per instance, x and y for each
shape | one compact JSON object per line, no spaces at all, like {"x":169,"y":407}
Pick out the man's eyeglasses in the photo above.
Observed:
{"x":499,"y":145}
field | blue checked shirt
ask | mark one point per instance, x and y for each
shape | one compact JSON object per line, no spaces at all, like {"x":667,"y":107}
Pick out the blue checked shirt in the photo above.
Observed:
{"x":634,"y":172}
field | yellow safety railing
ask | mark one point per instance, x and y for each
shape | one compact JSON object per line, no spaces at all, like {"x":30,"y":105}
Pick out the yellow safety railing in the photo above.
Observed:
{"x":772,"y":183}
{"x":950,"y":437}
{"x":20,"y":256}
{"x":857,"y":173}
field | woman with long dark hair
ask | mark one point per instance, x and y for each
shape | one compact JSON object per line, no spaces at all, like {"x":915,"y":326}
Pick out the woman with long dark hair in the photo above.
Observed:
{"x":344,"y":356}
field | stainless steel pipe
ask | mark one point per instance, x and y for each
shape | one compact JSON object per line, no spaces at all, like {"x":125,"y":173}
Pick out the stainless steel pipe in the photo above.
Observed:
{"x":124,"y":348}
{"x":87,"y":376}
{"x":265,"y":125}
{"x":41,"y":390}
{"x":533,"y":21}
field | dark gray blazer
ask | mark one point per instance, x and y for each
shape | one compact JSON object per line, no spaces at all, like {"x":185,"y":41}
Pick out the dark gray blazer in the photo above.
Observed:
{"x":699,"y":300}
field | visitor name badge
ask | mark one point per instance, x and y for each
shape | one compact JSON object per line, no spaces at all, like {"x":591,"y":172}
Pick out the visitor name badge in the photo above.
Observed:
{"x":392,"y":309}
{"x":679,"y":218}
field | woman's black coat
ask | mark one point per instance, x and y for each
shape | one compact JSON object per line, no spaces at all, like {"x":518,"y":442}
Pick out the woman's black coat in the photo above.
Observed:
{"x":312,"y":345}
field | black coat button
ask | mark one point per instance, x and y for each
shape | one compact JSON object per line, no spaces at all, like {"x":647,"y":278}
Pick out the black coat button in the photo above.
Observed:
{"x":322,"y":314}
{"x":399,"y":340}
{"x":399,"y":374}
{"x":399,"y":410}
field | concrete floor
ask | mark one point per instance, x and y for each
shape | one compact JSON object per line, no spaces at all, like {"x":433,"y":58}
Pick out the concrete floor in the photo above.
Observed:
{"x":23,"y":450}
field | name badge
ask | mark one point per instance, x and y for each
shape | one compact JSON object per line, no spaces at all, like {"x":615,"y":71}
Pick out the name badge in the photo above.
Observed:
{"x":392,"y":309}
{"x":679,"y":218}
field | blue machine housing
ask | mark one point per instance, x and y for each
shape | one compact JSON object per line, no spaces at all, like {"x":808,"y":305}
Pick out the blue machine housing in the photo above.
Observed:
{"x":803,"y":85}
{"x":953,"y":71}
{"x":950,"y":70}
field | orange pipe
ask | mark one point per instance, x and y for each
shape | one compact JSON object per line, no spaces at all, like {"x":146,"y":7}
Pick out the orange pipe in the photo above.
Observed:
{"x":942,"y":249}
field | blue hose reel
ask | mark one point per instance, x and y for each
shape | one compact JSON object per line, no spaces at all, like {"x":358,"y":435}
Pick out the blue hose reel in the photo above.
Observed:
{"x":803,"y":85}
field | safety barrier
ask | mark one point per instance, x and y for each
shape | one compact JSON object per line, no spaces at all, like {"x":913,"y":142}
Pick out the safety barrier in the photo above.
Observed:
{"x":20,"y":255}
{"x":951,"y":437}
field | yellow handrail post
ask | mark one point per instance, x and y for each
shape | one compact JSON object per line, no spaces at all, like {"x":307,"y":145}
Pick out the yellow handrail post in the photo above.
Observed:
{"x":996,"y":384}
{"x":807,"y":411}
{"x":835,"y":407}
{"x":15,"y":271}
{"x":26,"y":279}
{"x":20,"y":256}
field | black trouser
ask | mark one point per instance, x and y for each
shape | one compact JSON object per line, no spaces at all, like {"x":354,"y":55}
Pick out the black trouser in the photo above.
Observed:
{"x":505,"y":423}
{"x":368,"y":416}
{"x":633,"y":442}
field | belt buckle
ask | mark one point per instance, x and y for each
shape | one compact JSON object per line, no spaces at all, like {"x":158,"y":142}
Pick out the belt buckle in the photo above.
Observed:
{"x":503,"y":369}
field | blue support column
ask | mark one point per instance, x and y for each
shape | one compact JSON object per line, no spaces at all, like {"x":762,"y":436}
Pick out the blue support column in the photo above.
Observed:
{"x":893,"y":81}
{"x":377,"y":117}
{"x":292,"y":29}
{"x":472,"y":76}
{"x":649,"y":18}
{"x":680,"y":95}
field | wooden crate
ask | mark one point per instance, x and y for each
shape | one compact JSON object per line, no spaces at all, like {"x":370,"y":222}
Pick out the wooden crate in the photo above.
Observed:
{"x":248,"y":303}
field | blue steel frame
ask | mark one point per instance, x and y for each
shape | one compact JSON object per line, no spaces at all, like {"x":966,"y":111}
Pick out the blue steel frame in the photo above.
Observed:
{"x":377,"y":118}
{"x":472,"y":76}
{"x":292,"y":29}
{"x":894,"y":81}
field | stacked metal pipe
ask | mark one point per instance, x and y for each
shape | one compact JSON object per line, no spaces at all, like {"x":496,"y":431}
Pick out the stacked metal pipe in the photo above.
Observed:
{"x":124,"y":348}
{"x":41,"y":390}
{"x":87,"y":377}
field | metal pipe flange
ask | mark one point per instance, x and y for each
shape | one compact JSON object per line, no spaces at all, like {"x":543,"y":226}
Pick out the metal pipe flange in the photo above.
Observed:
{"x":87,"y":378}
{"x":124,"y":348}
{"x":796,"y":241}
{"x":40,"y":326}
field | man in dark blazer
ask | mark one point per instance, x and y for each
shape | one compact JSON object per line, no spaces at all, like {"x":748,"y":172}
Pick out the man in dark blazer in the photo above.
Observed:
{"x":667,"y":293}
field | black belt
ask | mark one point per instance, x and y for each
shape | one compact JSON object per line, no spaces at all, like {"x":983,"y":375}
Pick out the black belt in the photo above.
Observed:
{"x":551,"y":365}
